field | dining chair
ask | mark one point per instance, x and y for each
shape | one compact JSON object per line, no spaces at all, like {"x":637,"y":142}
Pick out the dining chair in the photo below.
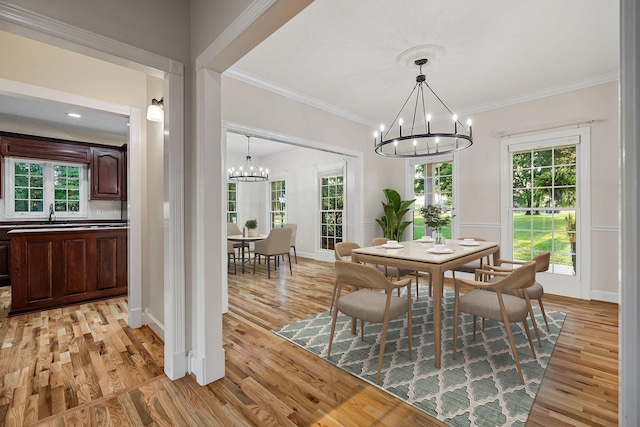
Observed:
{"x":535,"y":291}
{"x":294,"y":232}
{"x":277,"y":243}
{"x":368,"y":303}
{"x":499,"y":305}
{"x":231,"y":253}
{"x":398,"y":272}
{"x":234,"y":230}
{"x":342,"y":252}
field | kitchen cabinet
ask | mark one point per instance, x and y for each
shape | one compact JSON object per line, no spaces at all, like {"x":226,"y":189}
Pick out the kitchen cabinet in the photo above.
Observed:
{"x":107,"y":174}
{"x":57,"y":267}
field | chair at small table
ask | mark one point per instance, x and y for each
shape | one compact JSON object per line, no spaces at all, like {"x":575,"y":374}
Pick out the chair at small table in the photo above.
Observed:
{"x":234,"y":230}
{"x":368,"y":303}
{"x":294,"y":232}
{"x":498,"y":305}
{"x":277,"y":243}
{"x":231,"y":253}
{"x":398,"y":272}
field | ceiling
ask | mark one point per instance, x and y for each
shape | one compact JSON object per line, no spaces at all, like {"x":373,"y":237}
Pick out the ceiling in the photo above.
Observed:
{"x":342,"y":56}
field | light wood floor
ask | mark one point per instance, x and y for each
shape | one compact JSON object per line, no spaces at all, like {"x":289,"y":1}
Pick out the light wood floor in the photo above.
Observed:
{"x":83,"y":365}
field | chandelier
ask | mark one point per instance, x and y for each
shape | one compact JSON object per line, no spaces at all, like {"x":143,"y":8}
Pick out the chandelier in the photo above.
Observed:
{"x":418,"y":139}
{"x":247,"y":171}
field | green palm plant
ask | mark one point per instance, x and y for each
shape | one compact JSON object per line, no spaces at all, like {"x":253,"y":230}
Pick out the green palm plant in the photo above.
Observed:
{"x":391,"y":222}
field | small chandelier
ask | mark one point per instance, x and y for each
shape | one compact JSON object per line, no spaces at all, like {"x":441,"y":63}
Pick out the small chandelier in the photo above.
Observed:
{"x":419,"y":140}
{"x":247,"y":171}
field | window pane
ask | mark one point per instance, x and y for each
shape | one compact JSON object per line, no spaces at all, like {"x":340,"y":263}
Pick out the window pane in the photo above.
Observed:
{"x":21,"y":206}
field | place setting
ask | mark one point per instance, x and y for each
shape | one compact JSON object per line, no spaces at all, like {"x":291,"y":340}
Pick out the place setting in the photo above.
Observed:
{"x":392,"y":244}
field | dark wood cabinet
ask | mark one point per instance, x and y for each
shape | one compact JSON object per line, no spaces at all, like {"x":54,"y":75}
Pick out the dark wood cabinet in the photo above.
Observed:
{"x":107,"y":174}
{"x":4,"y":263}
{"x":67,"y":266}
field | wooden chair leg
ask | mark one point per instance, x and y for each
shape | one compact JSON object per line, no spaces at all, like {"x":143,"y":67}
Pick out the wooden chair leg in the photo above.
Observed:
{"x":526,"y":329}
{"x":455,"y":323}
{"x":475,"y":320}
{"x":290,"y":270}
{"x":383,"y":339}
{"x":544,"y":314}
{"x":295,"y":254}
{"x":333,"y":296}
{"x":512,"y":343}
{"x":333,"y":330}
{"x":268,"y":266}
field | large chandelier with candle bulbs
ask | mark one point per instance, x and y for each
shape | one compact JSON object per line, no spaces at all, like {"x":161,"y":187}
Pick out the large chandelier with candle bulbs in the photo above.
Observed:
{"x":247,"y":171}
{"x":418,"y":136}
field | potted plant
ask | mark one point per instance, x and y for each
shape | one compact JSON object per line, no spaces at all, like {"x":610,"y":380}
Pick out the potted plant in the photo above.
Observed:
{"x":435,"y":219}
{"x":570,"y":226}
{"x":391,"y":222}
{"x":251,"y":225}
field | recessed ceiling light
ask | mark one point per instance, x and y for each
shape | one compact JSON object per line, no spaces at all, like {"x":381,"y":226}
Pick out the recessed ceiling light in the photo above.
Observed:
{"x":74,"y":115}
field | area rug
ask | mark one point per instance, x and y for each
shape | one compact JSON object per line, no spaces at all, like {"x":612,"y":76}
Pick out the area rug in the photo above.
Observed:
{"x":480,"y":388}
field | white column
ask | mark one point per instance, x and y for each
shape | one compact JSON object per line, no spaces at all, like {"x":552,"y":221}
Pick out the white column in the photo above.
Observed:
{"x":175,"y":356}
{"x":208,"y":359}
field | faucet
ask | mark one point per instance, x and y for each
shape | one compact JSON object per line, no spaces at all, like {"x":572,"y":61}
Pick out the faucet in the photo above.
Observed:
{"x":51,"y":213}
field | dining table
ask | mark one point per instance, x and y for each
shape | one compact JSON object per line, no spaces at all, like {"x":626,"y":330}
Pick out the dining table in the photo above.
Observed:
{"x":245,"y":239}
{"x":422,"y":255}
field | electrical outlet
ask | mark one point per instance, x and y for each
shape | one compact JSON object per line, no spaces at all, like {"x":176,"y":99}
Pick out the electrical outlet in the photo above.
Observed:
{"x":99,"y":212}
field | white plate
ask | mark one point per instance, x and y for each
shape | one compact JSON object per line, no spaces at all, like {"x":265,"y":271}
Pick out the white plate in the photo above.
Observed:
{"x":440,"y":251}
{"x":426,"y":240}
{"x":392,"y":247}
{"x":463,"y":243}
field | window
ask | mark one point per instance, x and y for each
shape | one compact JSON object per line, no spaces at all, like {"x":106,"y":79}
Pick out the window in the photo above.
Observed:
{"x":34,"y":187}
{"x":232,"y":202}
{"x":544,"y":205}
{"x":432,"y":185}
{"x":277,"y":213}
{"x":331,"y":211}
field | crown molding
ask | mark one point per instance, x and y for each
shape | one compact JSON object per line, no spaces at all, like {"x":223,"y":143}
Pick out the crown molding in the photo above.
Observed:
{"x":30,"y":24}
{"x":297,"y":96}
{"x":555,"y":90}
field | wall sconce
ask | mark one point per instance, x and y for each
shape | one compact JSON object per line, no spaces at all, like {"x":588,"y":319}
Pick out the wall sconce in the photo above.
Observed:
{"x":155,"y":111}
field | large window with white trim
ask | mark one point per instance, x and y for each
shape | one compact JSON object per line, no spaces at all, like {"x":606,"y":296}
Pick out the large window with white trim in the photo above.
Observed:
{"x":232,"y":202}
{"x":277,"y":214}
{"x":331,"y":210}
{"x":544,"y":205}
{"x":40,"y":189}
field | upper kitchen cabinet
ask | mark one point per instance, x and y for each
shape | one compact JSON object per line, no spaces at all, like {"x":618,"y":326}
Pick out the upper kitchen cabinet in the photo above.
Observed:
{"x":108,"y":174}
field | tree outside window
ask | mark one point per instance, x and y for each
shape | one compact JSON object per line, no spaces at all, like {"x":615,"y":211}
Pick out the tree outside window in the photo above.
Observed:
{"x":331,"y":211}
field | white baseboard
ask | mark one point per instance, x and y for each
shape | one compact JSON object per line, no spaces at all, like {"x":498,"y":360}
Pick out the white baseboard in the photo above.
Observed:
{"x":135,"y":317}
{"x":613,"y":297}
{"x":155,"y":325}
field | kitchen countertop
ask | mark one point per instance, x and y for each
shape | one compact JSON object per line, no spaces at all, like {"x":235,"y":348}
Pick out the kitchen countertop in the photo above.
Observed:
{"x":48,"y":228}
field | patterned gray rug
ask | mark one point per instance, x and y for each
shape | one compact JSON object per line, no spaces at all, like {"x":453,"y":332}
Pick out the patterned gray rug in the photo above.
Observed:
{"x":480,"y":388}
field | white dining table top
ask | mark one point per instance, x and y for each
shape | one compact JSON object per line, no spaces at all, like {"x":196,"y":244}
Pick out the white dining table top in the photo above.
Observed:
{"x":419,"y":251}
{"x":241,"y":238}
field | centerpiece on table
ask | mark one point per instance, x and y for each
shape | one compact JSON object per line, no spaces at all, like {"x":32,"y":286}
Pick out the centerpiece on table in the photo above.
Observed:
{"x":251,"y":225}
{"x":435,"y":219}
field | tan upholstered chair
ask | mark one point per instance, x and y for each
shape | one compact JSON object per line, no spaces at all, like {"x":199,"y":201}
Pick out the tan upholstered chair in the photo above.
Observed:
{"x":231,"y":253}
{"x":277,"y":243}
{"x":234,"y":230}
{"x":294,"y":232}
{"x":398,"y":272}
{"x":536,"y":291}
{"x":368,"y":303}
{"x":498,"y":305}
{"x":342,"y":252}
